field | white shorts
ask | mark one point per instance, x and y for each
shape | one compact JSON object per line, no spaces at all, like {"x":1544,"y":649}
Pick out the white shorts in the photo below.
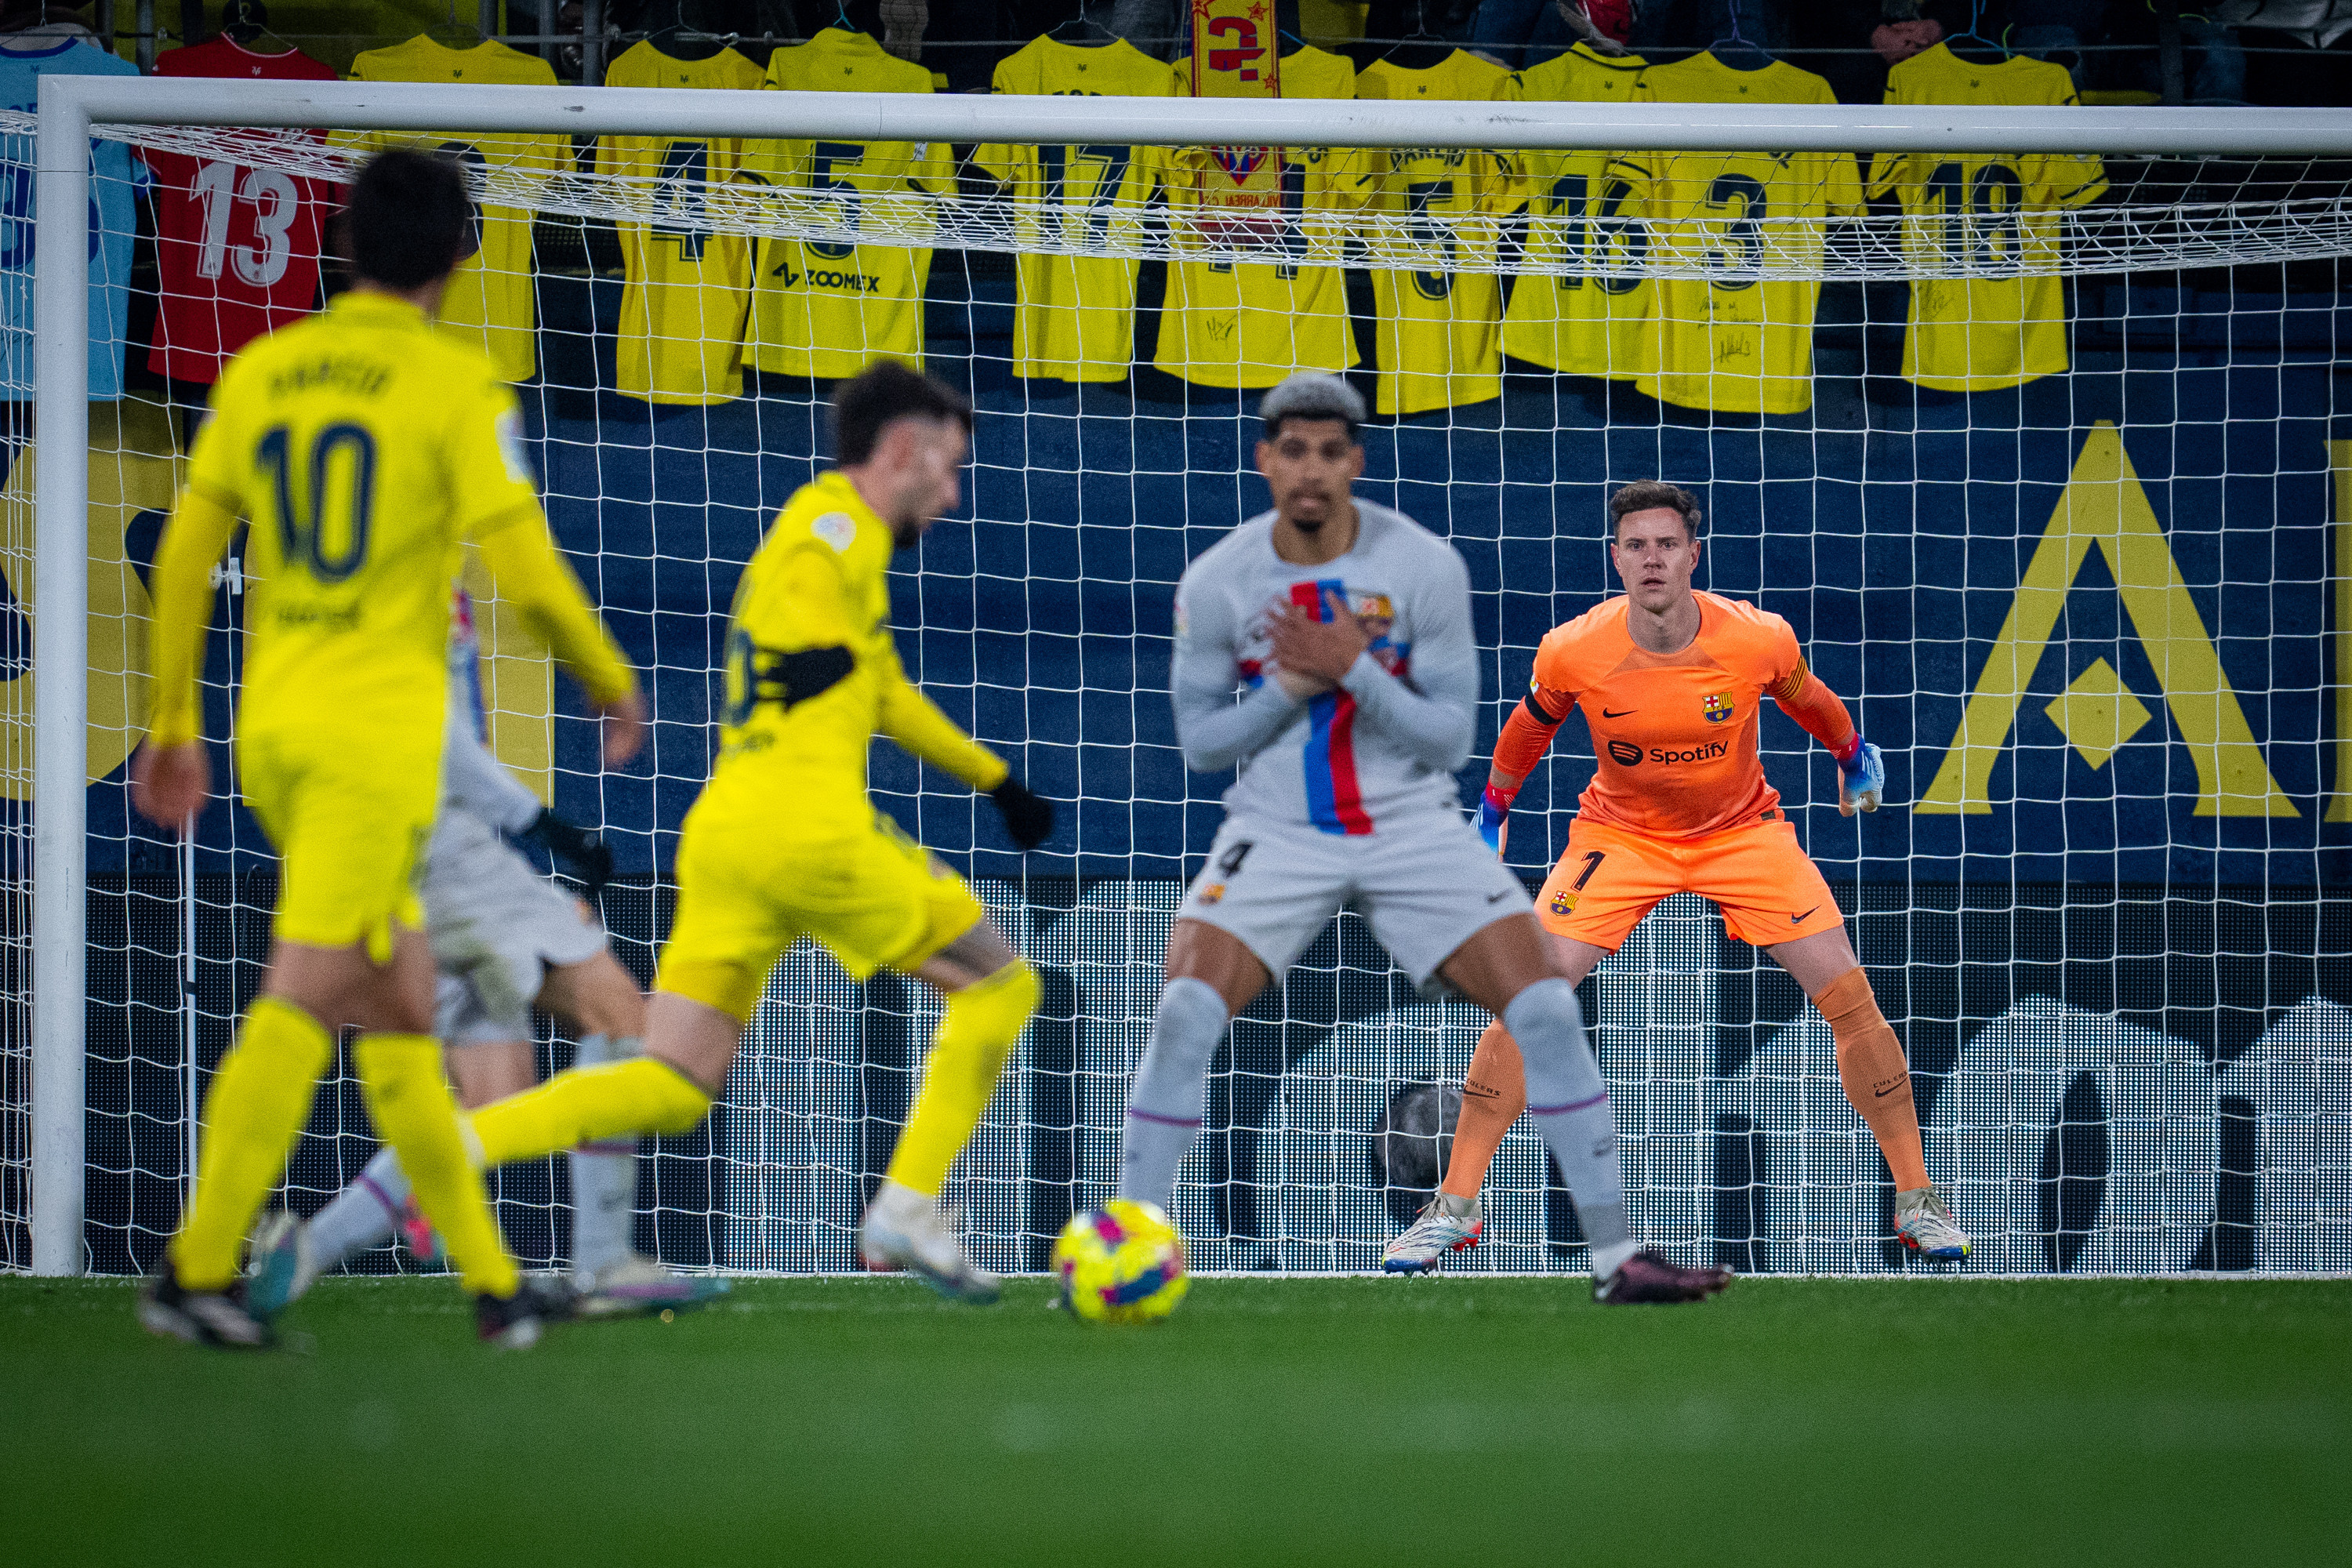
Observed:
{"x":1425,"y":885}
{"x":496,"y":927}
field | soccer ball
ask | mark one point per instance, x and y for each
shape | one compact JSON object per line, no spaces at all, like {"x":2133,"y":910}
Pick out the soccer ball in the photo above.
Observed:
{"x":1122,"y":1263}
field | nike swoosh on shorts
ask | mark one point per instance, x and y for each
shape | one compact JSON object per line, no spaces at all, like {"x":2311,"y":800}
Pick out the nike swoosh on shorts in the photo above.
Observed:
{"x":1800,"y":919}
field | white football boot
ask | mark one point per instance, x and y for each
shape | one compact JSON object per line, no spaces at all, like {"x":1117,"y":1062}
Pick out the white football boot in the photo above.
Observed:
{"x":904,"y":1229}
{"x":1446,"y":1224}
{"x":283,"y":1267}
{"x":1923,"y":1222}
{"x":633,"y":1285}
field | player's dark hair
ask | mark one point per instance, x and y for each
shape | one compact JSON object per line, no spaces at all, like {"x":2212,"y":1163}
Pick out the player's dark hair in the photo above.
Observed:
{"x":410,"y":219}
{"x":886,"y":390}
{"x":1654,"y":495}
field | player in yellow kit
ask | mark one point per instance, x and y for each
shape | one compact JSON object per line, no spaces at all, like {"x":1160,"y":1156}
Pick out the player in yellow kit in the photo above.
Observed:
{"x":365,"y":449}
{"x":785,"y":841}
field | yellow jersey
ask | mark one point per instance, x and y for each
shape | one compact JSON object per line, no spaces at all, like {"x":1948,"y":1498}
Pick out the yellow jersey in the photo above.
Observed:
{"x":1440,"y":332}
{"x":365,"y":449}
{"x":1592,"y":319}
{"x":813,"y":676}
{"x":688,"y":289}
{"x":1073,"y":318}
{"x":1987,"y":213}
{"x":828,"y":308}
{"x":490,"y":302}
{"x":1732,"y":339}
{"x":1249,"y":324}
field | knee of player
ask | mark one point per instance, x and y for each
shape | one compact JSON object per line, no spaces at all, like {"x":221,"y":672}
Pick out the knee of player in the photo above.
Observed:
{"x":599,"y":997}
{"x":1008,"y":997}
{"x":1849,"y":1001}
{"x":674,"y":1101}
{"x":1544,"y":1014}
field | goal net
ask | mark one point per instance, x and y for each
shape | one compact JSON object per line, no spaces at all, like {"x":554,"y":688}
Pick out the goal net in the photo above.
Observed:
{"x":2046,"y":457}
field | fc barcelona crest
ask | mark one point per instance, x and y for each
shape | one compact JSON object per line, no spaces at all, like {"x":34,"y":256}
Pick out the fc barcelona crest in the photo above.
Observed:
{"x":1717,"y":708}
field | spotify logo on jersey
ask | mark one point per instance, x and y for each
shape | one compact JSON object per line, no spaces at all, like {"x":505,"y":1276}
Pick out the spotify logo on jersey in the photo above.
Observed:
{"x":1625,"y":754}
{"x":1695,"y":754}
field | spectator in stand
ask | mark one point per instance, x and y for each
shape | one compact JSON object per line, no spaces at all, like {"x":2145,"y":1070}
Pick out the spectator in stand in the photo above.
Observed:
{"x":1667,"y":25}
{"x":2285,"y":74}
{"x":1518,"y":34}
{"x":2056,"y":30}
{"x":2217,"y":75}
{"x":1905,"y":32}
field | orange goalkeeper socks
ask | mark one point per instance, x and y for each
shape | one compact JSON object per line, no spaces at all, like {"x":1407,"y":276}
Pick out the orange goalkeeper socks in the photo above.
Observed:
{"x":1871,"y":1067}
{"x":1493,"y":1095}
{"x":1877,"y":1077}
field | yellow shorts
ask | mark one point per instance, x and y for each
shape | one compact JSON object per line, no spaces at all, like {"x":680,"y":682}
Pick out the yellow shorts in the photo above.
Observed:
{"x":875,"y":900}
{"x":1766,"y":885}
{"x":350,"y":825}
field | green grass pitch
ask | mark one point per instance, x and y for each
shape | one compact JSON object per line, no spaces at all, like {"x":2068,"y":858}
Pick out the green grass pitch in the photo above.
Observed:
{"x":1447,"y":1420}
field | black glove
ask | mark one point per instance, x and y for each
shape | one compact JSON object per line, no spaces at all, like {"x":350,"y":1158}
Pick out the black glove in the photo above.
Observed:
{"x":577,"y":850}
{"x":1028,"y":816}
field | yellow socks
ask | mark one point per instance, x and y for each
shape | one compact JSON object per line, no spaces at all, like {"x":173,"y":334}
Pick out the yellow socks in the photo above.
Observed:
{"x":1875,"y":1078}
{"x":977,"y":1033}
{"x":588,"y":1105}
{"x":260,"y":1099}
{"x":1493,"y":1092}
{"x":408,"y":1096}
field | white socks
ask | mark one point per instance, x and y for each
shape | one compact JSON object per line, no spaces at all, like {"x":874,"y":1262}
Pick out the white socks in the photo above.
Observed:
{"x":604,"y":1180}
{"x":1570,"y":1106}
{"x":1170,"y":1089}
{"x":363,"y":1215}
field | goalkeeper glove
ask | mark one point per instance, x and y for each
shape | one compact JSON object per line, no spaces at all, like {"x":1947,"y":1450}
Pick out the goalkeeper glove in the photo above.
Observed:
{"x":1862,"y":781}
{"x":1028,"y":816}
{"x":578,"y":852}
{"x":1493,"y":811}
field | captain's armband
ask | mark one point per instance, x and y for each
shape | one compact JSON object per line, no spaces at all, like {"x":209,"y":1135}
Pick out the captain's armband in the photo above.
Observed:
{"x":789,"y":679}
{"x":756,"y":674}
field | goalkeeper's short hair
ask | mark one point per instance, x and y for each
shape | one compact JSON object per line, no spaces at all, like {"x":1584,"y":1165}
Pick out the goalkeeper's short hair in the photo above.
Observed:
{"x":1654,"y":495}
{"x":884,"y":391}
{"x":1311,"y":395}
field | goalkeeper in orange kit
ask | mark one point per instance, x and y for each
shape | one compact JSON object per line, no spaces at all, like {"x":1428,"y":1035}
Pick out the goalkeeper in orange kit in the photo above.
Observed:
{"x":1672,"y":681}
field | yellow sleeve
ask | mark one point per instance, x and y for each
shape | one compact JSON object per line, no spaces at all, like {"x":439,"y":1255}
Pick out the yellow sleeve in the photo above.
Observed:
{"x":217,"y":463}
{"x":539,"y":583}
{"x":916,"y":723}
{"x":1886,"y":168}
{"x":181,"y":592}
{"x":489,"y":472}
{"x":1844,"y":186}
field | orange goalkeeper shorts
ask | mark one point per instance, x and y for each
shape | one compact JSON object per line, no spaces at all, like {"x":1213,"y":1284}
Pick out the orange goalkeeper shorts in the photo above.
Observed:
{"x":1768,"y":887}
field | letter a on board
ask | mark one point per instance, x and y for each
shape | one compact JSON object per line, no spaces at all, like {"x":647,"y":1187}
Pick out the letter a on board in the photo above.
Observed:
{"x":2104,"y":505}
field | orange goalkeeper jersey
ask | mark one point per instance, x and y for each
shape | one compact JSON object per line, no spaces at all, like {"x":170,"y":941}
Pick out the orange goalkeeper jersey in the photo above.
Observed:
{"x":1675,"y":733}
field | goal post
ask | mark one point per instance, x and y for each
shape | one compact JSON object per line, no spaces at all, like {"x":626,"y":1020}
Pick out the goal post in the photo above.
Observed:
{"x":2287,"y":223}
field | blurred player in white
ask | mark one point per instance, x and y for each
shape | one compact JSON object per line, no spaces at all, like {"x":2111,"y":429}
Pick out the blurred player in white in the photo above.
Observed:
{"x":504,"y":939}
{"x":1344,"y":628}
